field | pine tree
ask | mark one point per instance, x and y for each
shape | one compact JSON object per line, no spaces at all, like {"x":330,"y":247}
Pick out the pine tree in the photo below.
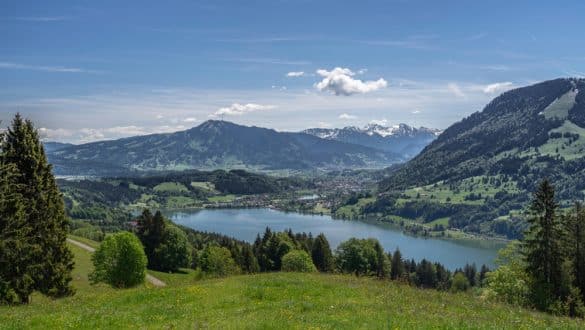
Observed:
{"x":542,"y":247}
{"x":397,"y":266}
{"x":16,"y":282}
{"x":321,"y":254}
{"x":249,"y":261}
{"x":381,"y":261}
{"x":150,"y":231}
{"x":574,"y":224}
{"x":51,"y":261}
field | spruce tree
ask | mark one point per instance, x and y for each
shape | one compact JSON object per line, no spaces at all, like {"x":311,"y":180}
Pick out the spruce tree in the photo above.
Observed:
{"x":150,"y":231}
{"x":16,"y":282}
{"x":574,"y":224}
{"x":397,"y":265}
{"x":321,"y":254}
{"x":542,"y":247}
{"x":51,"y":261}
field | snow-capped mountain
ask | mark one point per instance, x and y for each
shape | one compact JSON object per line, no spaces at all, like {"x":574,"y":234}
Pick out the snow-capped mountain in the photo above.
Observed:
{"x":402,"y":139}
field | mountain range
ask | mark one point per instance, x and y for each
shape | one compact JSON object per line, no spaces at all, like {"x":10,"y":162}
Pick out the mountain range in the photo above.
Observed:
{"x":216,"y":144}
{"x":402,"y":139}
{"x":486,"y":166}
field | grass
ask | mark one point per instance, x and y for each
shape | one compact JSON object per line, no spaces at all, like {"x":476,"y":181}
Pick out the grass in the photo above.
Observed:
{"x":353,"y":211}
{"x":273,"y":300}
{"x":222,"y":198}
{"x":205,"y":185}
{"x":170,"y":187}
{"x":442,"y":193}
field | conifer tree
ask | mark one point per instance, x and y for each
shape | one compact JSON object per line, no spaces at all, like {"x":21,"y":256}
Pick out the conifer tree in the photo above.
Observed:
{"x":51,"y":261}
{"x":574,"y":224}
{"x":16,"y":282}
{"x":321,"y":254}
{"x":542,"y":247}
{"x":249,"y":261}
{"x":397,"y":266}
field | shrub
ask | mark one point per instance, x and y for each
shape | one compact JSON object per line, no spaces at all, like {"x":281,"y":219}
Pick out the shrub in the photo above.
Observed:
{"x":298,"y":261}
{"x":174,"y":251}
{"x":119,"y":261}
{"x":217,"y":261}
{"x":460,"y":282}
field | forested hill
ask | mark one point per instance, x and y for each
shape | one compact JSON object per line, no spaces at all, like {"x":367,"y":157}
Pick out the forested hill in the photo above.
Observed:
{"x":527,"y":134}
{"x":216,"y":144}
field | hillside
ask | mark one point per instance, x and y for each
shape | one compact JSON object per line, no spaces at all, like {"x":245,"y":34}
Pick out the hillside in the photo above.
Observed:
{"x":212,"y":145}
{"x":401,"y":139}
{"x":484,"y":167}
{"x":273,"y":300}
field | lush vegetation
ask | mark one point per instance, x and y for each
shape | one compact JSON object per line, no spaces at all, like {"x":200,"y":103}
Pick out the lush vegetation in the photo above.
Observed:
{"x":547,"y":269}
{"x":119,"y":261}
{"x":289,"y":300}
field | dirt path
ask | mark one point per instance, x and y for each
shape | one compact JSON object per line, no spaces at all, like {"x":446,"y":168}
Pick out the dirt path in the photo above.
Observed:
{"x":153,"y":280}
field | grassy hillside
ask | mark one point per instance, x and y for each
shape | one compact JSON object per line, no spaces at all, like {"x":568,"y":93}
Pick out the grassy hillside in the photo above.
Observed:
{"x":273,"y":300}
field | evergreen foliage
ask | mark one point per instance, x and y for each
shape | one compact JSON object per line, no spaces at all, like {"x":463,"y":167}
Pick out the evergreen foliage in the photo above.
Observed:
{"x":322,"y":255}
{"x":543,"y":247}
{"x":33,"y":225}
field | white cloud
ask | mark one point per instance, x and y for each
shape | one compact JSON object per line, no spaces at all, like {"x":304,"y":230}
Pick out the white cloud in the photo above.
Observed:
{"x":455,"y":89}
{"x":347,"y":116}
{"x":498,"y":87}
{"x":159,"y":116}
{"x":339,"y":81}
{"x":237,"y":109}
{"x":323,"y":124}
{"x":190,"y":120}
{"x":295,"y":74}
{"x":381,"y":122}
{"x":415,"y":112}
{"x":58,"y":69}
{"x":84,"y":135}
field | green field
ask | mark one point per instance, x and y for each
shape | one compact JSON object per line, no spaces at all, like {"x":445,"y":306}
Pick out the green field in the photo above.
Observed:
{"x":355,"y":210}
{"x":170,"y":187}
{"x":444,"y":193}
{"x":273,"y":300}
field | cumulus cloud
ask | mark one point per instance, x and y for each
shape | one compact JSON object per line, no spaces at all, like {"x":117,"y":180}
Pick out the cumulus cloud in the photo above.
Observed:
{"x":340,"y":81}
{"x":237,"y":109}
{"x":190,"y":120}
{"x":455,"y":89}
{"x":414,"y":112}
{"x":295,"y":74}
{"x":497,"y":87}
{"x":347,"y":116}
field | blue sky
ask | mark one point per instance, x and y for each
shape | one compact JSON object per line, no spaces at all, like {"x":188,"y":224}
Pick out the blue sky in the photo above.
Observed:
{"x":87,"y":70}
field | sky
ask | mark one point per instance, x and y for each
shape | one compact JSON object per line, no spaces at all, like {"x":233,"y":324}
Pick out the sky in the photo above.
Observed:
{"x":93,"y":70}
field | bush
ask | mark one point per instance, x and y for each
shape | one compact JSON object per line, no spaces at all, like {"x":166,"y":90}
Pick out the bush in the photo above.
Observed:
{"x":217,"y":261}
{"x":298,"y":261}
{"x":460,"y":283}
{"x":174,"y":251}
{"x":119,"y":261}
{"x":509,"y":282}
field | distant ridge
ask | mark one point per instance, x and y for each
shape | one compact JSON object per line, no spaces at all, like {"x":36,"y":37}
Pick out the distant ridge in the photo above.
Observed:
{"x":217,"y":144}
{"x":402,"y":139}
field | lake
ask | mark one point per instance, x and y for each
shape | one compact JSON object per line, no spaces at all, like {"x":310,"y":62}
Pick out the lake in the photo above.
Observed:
{"x":245,"y":224}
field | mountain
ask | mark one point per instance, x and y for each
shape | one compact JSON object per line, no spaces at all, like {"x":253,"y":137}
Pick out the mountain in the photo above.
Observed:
{"x":216,"y":144}
{"x":485,"y":167}
{"x":401,"y":139}
{"x":54,"y":146}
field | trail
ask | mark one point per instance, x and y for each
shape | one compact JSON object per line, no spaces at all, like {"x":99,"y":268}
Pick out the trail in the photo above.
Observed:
{"x":153,"y":280}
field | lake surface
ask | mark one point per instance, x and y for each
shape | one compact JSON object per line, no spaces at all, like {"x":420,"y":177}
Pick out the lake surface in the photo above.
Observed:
{"x":245,"y":224}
